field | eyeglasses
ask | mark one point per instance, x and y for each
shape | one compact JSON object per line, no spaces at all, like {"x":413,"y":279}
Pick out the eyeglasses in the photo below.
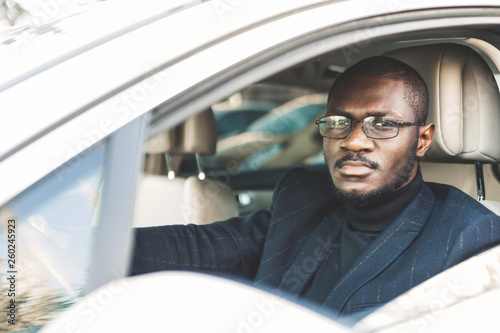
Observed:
{"x":380,"y":127}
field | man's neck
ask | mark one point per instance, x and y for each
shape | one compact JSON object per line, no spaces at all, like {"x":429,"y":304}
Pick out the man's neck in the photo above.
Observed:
{"x":377,"y":215}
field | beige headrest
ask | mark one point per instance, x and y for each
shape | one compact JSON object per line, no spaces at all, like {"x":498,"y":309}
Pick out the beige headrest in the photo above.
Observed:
{"x":197,"y":135}
{"x":464,"y":102}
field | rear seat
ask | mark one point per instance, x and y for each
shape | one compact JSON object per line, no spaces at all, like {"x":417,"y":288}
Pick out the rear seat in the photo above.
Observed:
{"x":166,"y":199}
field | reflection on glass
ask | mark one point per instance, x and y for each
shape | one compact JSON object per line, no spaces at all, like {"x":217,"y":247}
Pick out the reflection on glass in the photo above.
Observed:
{"x":55,"y":221}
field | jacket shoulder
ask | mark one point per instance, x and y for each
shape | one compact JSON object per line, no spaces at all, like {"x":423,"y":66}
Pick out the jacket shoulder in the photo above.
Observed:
{"x":468,"y":227}
{"x":454,"y":198}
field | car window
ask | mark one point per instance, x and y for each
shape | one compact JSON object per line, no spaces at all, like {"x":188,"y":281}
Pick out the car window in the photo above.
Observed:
{"x":267,"y":126}
{"x":45,"y":240}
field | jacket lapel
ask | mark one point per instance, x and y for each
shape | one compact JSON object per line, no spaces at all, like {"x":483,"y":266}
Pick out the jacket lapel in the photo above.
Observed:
{"x":384,"y":250}
{"x":314,"y":251}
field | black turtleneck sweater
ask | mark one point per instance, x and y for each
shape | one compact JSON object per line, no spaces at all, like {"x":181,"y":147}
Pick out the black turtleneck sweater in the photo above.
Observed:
{"x":362,"y":225}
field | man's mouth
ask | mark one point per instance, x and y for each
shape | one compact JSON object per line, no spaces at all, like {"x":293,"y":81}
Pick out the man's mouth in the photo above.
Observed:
{"x":355,"y":165}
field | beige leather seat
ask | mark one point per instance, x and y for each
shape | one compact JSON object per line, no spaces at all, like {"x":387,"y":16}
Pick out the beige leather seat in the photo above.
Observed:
{"x":465,"y":106}
{"x":166,"y":199}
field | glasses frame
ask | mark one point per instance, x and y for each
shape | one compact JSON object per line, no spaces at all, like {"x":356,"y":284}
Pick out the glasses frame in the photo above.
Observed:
{"x":353,"y":122}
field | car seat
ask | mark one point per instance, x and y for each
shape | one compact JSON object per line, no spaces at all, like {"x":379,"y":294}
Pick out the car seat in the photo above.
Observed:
{"x":168,"y":199}
{"x":465,"y":107}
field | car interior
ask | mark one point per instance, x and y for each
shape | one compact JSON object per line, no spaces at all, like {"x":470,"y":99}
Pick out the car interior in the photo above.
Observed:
{"x":237,"y":149}
{"x":192,"y":199}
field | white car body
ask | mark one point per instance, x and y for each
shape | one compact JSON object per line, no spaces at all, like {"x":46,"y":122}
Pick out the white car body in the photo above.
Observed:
{"x":95,"y":78}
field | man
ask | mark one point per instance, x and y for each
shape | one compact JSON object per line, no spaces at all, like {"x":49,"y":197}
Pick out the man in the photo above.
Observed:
{"x":353,"y":238}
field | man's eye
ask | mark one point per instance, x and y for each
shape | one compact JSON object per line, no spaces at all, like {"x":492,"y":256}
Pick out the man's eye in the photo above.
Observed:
{"x":339,"y":123}
{"x":384,"y":125}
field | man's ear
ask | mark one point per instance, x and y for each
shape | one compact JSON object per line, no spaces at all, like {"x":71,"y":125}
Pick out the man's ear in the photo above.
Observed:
{"x":425,"y":137}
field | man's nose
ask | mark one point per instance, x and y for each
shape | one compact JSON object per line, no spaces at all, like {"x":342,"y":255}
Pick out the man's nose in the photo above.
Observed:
{"x":357,"y":140}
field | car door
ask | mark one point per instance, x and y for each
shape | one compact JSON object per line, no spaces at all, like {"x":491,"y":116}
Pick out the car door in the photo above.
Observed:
{"x":139,"y":79}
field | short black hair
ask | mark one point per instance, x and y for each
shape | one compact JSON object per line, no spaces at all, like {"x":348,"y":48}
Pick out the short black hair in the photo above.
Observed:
{"x":416,"y":92}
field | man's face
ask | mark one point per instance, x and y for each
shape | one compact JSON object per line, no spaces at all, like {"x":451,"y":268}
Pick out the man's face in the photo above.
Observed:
{"x":364,"y":169}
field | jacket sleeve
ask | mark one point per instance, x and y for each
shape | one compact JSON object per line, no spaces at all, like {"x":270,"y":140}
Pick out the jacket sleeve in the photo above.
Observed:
{"x":229,"y":247}
{"x":232,"y":247}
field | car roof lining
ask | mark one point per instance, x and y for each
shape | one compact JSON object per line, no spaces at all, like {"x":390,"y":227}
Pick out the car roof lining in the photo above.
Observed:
{"x":447,"y":22}
{"x":317,"y":73}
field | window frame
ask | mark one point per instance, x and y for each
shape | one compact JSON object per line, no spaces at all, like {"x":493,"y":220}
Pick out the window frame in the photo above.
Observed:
{"x":123,"y":162}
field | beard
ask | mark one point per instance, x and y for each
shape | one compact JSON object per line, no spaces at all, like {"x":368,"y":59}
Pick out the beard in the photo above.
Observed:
{"x":357,"y":199}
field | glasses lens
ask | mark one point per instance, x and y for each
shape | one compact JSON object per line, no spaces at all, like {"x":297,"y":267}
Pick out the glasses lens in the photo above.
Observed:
{"x":334,"y":127}
{"x":381,"y":127}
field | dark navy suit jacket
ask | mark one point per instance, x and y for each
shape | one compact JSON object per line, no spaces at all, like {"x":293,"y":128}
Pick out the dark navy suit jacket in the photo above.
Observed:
{"x":282,"y":247}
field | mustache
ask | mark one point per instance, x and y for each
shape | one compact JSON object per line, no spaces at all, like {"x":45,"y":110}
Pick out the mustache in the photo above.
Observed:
{"x":356,"y":157}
